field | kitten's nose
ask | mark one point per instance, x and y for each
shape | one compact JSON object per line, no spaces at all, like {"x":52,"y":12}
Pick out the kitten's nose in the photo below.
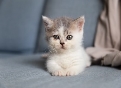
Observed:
{"x":62,"y":43}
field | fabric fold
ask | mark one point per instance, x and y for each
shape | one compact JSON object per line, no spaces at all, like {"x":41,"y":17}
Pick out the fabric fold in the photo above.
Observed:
{"x":107,"y":45}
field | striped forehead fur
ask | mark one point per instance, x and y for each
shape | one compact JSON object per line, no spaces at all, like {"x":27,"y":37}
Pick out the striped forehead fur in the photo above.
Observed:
{"x":62,"y":21}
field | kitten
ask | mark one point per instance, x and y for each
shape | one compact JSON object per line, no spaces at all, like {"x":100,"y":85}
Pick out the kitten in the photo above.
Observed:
{"x":67,"y":56}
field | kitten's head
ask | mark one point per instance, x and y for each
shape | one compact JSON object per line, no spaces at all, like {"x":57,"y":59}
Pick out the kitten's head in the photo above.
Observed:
{"x":64,"y":33}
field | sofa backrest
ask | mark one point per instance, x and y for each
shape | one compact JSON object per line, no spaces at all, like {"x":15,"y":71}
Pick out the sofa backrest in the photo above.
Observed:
{"x":73,"y":8}
{"x":19,"y":24}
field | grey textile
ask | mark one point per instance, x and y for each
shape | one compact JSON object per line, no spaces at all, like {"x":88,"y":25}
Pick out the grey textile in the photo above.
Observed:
{"x":73,"y":8}
{"x":29,"y":72}
{"x":19,"y":24}
{"x":8,"y":55}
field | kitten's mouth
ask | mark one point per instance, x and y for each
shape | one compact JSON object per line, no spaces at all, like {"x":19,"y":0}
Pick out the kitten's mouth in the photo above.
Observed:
{"x":63,"y":47}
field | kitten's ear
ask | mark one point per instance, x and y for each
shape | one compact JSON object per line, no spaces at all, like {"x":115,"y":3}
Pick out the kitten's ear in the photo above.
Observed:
{"x":47,"y":22}
{"x":80,"y":22}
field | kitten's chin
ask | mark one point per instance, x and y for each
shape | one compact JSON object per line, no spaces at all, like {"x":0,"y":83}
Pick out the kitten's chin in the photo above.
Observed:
{"x":62,"y":47}
{"x":62,"y":50}
{"x":59,"y":50}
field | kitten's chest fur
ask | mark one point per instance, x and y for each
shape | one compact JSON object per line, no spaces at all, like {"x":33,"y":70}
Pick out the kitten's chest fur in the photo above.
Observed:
{"x":67,"y":60}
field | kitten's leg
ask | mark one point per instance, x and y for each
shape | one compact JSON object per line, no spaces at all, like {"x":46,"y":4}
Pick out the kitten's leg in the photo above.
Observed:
{"x":88,"y":64}
{"x":74,"y":70}
{"x":88,"y":59}
{"x":55,"y":69}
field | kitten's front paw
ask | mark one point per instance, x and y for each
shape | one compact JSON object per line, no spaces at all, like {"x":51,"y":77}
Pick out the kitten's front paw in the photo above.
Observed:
{"x":72,"y":73}
{"x":59,"y":73}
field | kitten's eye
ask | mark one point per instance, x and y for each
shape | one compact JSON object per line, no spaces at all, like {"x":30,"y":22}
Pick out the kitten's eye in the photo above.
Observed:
{"x":55,"y":36}
{"x":69,"y":37}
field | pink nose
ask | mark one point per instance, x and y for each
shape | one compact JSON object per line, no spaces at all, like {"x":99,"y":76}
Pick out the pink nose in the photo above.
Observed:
{"x":62,"y":43}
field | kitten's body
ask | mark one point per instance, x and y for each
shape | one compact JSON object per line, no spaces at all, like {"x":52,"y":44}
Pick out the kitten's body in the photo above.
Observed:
{"x":67,"y":56}
{"x":70,"y":63}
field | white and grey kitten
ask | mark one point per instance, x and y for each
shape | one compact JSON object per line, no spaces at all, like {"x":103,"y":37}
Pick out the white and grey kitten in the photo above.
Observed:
{"x":67,"y":56}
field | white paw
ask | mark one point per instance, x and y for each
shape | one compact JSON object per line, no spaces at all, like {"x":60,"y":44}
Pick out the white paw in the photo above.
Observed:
{"x":88,"y":64}
{"x":71,"y":73}
{"x":59,"y":73}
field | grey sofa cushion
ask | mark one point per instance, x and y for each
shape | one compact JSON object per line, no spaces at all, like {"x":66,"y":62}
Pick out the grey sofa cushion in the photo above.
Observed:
{"x":30,"y":72}
{"x":8,"y":55}
{"x":73,"y":8}
{"x":11,"y":54}
{"x":19,"y":24}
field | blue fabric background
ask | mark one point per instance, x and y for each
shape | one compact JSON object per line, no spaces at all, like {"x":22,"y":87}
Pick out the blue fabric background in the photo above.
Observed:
{"x":19,"y":24}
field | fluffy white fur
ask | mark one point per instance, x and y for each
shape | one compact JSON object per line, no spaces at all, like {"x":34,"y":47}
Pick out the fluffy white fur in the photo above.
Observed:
{"x":68,"y":64}
{"x":71,"y":60}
